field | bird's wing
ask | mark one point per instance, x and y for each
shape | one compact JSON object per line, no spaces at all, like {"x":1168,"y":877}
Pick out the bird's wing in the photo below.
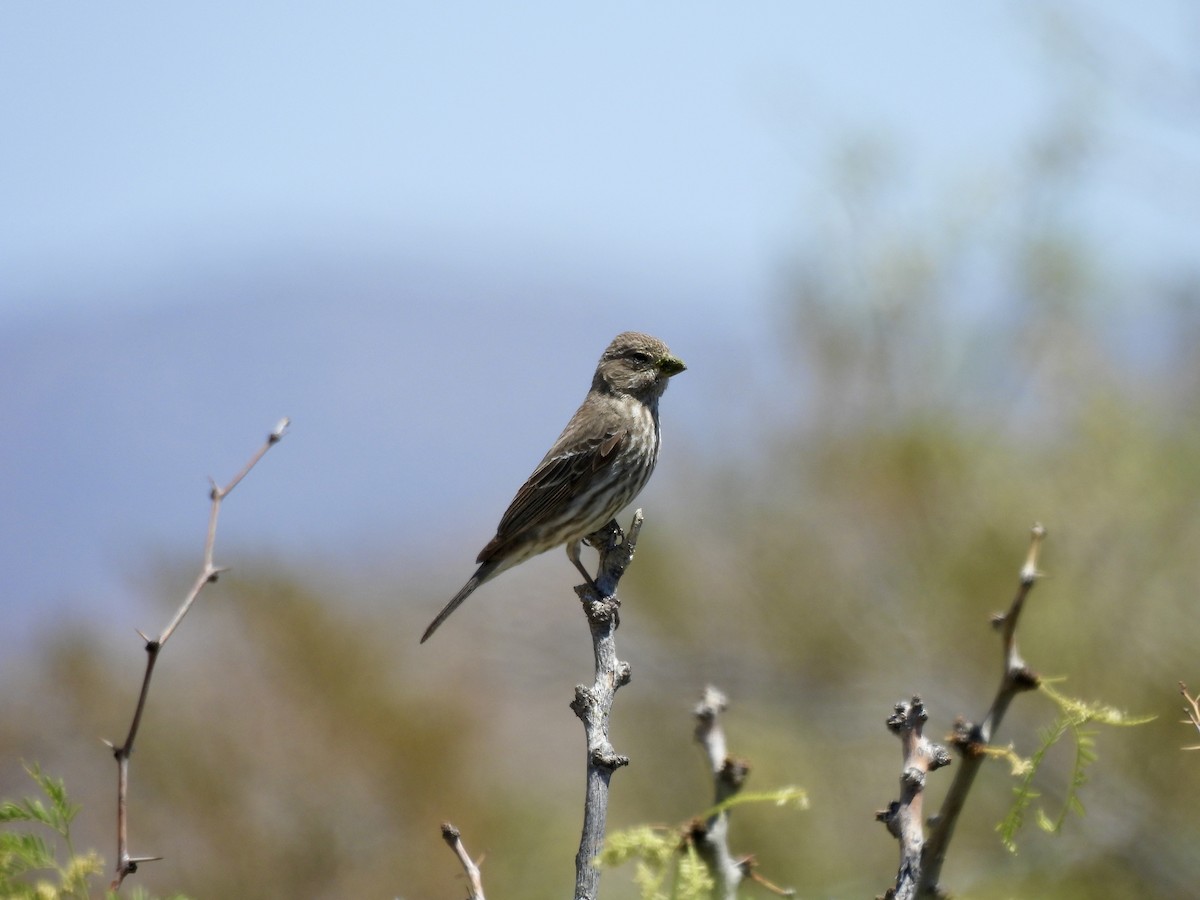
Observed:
{"x":559,"y":476}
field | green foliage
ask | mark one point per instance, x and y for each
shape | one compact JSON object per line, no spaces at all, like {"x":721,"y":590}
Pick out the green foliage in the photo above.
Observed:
{"x":793,"y":797}
{"x":667,"y":866}
{"x":25,"y":853}
{"x":1074,"y":715}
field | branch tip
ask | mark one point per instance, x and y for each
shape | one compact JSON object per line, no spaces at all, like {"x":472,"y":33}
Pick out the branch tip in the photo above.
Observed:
{"x":752,"y":873}
{"x":1029,"y":571}
{"x":635,"y":526}
{"x":713,"y":703}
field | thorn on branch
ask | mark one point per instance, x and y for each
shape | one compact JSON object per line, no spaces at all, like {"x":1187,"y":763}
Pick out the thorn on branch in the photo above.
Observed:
{"x":750,"y":870}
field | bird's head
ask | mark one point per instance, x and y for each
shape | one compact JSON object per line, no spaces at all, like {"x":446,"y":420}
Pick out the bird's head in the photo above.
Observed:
{"x":636,"y":364}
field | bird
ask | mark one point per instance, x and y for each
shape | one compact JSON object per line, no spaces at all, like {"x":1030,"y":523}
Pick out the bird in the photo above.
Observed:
{"x":599,"y":463}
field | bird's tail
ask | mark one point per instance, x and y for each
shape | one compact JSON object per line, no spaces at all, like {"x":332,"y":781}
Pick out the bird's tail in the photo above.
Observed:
{"x":486,"y":571}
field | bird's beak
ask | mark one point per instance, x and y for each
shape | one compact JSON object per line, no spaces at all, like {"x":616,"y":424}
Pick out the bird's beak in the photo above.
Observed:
{"x":670,"y":365}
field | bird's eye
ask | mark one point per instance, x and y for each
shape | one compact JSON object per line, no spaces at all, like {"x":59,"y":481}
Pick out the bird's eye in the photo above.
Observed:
{"x":642,"y":359}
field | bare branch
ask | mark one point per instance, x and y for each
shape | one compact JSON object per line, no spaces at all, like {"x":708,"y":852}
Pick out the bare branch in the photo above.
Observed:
{"x":711,"y":838}
{"x":1192,"y":710}
{"x":453,"y":838}
{"x":593,"y":704}
{"x":208,"y":571}
{"x":972,"y":740}
{"x":904,"y":818}
{"x":126,"y":864}
{"x":765,"y":883}
{"x":709,"y":733}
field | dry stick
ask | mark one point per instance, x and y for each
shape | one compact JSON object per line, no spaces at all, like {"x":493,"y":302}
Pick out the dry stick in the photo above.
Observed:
{"x":593,"y":705}
{"x":1192,"y":710}
{"x":453,"y":837}
{"x":905,"y":818}
{"x":972,"y":740}
{"x":126,"y":864}
{"x":711,"y":838}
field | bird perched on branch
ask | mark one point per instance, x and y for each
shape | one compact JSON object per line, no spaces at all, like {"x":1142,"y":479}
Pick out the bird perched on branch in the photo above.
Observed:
{"x":599,"y":463}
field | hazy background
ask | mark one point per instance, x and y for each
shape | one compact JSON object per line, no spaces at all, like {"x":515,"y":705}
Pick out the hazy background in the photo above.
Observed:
{"x":933,"y":270}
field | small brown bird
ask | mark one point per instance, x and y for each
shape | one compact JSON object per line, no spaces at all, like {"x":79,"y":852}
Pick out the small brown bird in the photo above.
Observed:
{"x":599,"y":463}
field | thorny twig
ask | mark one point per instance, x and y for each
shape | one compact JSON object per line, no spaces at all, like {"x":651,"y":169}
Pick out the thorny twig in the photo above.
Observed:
{"x":127,"y":864}
{"x":921,"y":859}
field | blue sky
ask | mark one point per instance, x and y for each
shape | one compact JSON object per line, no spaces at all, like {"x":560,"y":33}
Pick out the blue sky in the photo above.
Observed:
{"x":215,"y":215}
{"x":673,"y":135}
